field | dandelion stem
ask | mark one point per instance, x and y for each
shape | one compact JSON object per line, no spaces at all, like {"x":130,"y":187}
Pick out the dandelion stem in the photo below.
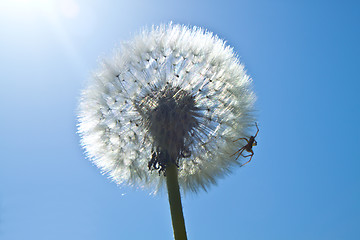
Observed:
{"x":177,"y":216}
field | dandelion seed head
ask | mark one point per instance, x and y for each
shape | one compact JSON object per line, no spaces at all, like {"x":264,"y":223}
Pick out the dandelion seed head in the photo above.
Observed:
{"x":172,"y":95}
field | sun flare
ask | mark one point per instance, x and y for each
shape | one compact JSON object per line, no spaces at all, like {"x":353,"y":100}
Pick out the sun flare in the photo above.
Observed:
{"x":30,"y":9}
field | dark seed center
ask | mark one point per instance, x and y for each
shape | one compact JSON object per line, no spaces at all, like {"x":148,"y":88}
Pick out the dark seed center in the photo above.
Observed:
{"x":170,"y":116}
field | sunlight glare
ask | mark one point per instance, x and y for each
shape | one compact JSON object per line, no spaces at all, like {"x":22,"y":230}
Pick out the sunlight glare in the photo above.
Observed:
{"x":30,"y":9}
{"x":41,"y":21}
{"x":69,"y":8}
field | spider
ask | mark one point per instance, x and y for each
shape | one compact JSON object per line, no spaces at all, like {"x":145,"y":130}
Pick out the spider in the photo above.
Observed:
{"x":248,"y":147}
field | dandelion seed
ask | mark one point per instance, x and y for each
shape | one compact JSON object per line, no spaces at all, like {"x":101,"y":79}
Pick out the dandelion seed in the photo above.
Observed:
{"x":172,"y":96}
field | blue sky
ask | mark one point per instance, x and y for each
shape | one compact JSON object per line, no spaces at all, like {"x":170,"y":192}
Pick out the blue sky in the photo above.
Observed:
{"x":303,"y":181}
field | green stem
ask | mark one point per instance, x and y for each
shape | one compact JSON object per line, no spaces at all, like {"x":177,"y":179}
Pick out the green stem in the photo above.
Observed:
{"x":177,"y":216}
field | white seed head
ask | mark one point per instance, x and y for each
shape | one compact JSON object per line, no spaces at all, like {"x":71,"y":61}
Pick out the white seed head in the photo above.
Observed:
{"x":172,"y":95}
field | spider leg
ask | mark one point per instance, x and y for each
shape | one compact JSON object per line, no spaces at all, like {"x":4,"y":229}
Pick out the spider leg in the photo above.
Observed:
{"x":247,"y":161}
{"x":250,"y":155}
{"x":257,"y":130}
{"x":247,"y":155}
{"x":241,"y":138}
{"x":239,"y":155}
{"x":240,"y":150}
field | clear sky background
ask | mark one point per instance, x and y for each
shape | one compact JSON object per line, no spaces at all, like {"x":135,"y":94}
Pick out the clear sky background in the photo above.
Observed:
{"x":303,"y":181}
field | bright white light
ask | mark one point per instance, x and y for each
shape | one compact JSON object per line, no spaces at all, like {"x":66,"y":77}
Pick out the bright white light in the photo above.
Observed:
{"x":28,"y":6}
{"x":34,"y":22}
{"x":69,"y":8}
{"x":29,"y":9}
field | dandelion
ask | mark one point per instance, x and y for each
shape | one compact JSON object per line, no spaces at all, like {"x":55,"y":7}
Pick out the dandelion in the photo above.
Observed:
{"x":166,"y":109}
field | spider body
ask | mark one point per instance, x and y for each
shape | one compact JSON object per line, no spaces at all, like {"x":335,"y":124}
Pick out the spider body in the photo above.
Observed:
{"x":248,"y":147}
